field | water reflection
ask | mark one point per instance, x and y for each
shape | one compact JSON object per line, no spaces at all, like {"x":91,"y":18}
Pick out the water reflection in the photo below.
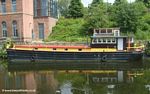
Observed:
{"x":66,"y":88}
{"x":27,"y":83}
{"x":20,"y":80}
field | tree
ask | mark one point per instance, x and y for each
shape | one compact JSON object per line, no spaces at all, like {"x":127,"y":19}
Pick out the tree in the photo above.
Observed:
{"x":96,"y":2}
{"x":129,"y":16}
{"x":98,"y":17}
{"x":75,"y":9}
{"x":63,"y":7}
{"x":118,"y":2}
{"x":146,"y":2}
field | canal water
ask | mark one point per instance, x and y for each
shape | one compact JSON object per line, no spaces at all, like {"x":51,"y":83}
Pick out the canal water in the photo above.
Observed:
{"x":47,"y":81}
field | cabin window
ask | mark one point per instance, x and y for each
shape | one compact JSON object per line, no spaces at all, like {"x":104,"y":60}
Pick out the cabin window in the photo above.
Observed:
{"x":54,"y":48}
{"x":103,"y":31}
{"x":113,"y":41}
{"x":104,"y":40}
{"x":97,"y":31}
{"x":116,"y":33}
{"x":99,"y":40}
{"x":108,"y":40}
{"x":79,"y":49}
{"x":109,"y":31}
{"x":66,"y":49}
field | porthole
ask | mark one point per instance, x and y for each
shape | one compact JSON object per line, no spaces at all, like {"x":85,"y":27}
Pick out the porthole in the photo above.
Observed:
{"x":54,"y":48}
{"x":35,"y":48}
{"x":79,"y":49}
{"x":66,"y":49}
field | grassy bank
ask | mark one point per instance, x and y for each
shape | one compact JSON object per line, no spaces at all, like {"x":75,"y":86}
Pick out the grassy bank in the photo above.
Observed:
{"x":69,"y":30}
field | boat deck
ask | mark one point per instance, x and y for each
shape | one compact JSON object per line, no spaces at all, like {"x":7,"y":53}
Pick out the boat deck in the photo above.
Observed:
{"x":63,"y":48}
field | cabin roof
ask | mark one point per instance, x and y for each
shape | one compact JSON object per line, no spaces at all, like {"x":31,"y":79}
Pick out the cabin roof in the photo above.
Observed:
{"x":109,"y":36}
{"x":107,"y":28}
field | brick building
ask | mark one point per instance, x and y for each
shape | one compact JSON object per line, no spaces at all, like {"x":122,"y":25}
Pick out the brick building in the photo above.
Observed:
{"x":26,"y":20}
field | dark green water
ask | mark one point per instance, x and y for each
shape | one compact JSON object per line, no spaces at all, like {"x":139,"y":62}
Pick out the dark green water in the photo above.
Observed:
{"x":39,"y":81}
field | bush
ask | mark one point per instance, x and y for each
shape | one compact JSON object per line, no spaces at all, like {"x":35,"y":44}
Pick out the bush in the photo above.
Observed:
{"x":70,"y":30}
{"x":142,"y":35}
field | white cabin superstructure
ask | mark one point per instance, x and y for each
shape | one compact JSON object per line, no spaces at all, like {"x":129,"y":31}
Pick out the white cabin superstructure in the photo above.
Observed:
{"x":110,"y":38}
{"x":106,"y":32}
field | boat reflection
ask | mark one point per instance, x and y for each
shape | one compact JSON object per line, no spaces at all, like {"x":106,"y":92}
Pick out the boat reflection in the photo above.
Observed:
{"x":75,"y":65}
{"x":35,"y":78}
{"x":64,"y":81}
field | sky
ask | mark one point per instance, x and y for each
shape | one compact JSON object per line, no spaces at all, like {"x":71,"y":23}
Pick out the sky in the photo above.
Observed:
{"x":86,"y":2}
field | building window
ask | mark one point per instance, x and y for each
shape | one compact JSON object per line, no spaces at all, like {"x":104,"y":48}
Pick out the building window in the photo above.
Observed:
{"x":41,"y":31}
{"x":44,"y":7}
{"x":3,"y":6}
{"x":14,"y":29}
{"x":35,"y":8}
{"x":4,"y":29}
{"x":32,"y":34}
{"x":53,"y":8}
{"x":13,"y":5}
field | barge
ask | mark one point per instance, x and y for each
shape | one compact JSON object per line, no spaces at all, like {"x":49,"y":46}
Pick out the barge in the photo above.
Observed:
{"x":106,"y":45}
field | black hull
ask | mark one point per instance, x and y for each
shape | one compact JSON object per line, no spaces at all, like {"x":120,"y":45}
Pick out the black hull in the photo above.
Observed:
{"x":46,"y":56}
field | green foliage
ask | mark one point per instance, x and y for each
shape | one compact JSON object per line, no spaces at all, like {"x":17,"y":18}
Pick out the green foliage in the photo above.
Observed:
{"x":145,"y":23}
{"x":128,"y":16}
{"x":118,"y":2}
{"x":99,"y":88}
{"x":146,"y":2}
{"x":142,"y":35}
{"x":75,"y":9}
{"x":97,"y":17}
{"x":4,"y":64}
{"x":77,"y":80}
{"x":96,"y":2}
{"x":131,"y":88}
{"x":70,"y":30}
{"x":143,"y":32}
{"x":63,"y":7}
{"x":147,"y":50}
{"x":6,"y":45}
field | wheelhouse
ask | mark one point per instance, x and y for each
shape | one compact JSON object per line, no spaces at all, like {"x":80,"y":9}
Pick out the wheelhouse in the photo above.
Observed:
{"x":110,"y":38}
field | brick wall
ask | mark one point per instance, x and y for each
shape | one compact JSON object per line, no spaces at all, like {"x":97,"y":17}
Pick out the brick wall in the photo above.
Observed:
{"x":27,"y":19}
{"x":9,"y":19}
{"x":48,"y":24}
{"x":23,"y":16}
{"x":26,"y":23}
